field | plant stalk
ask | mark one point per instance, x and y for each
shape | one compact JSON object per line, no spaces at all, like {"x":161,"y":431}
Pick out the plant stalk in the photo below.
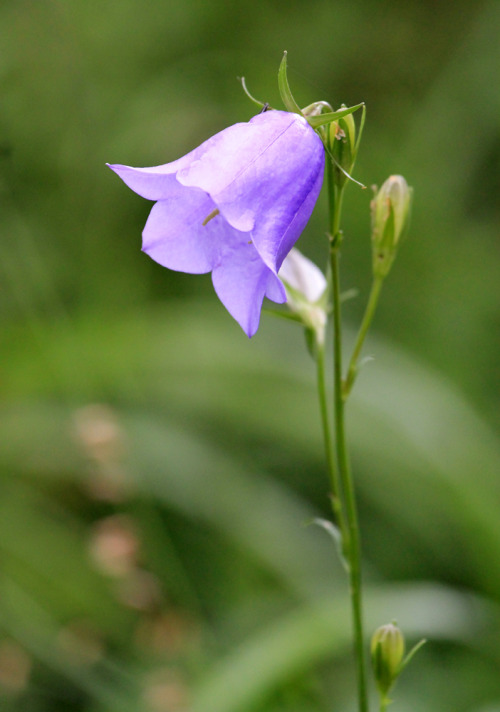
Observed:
{"x":336,"y":494}
{"x":352,"y":546}
{"x":371,"y":306}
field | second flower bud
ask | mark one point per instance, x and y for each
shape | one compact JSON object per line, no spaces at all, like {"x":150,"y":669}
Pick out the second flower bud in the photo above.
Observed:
{"x":390,"y":219}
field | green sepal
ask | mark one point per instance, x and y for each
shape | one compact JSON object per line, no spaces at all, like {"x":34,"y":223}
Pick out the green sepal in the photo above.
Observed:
{"x":412,"y":652}
{"x":311,"y":338}
{"x":384,"y":249}
{"x":342,"y":146}
{"x":406,"y":228}
{"x":302,"y":309}
{"x":334,"y":532}
{"x":322,"y":119}
{"x":390,"y":209}
{"x":250,"y":96}
{"x":281,"y":314}
{"x":345,"y":147}
{"x":349,"y":294}
{"x":387,"y":652}
{"x":299,"y":297}
{"x":316,"y":108}
{"x":388,"y":241}
{"x":360,"y":131}
{"x":285,"y":91}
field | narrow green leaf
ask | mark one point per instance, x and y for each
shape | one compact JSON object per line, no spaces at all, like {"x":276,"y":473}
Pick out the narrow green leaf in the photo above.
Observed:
{"x":252,"y":98}
{"x":288,"y":315}
{"x":322,"y":119}
{"x":412,"y":652}
{"x":349,"y":294}
{"x":285,"y":91}
{"x":319,"y":630}
{"x":360,"y":130}
{"x":336,"y":535}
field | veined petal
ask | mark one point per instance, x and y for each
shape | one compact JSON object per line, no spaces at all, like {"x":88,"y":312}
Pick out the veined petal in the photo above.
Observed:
{"x":278,"y":231}
{"x":239,"y":157}
{"x":234,"y":206}
{"x":175,"y":236}
{"x":264,"y":177}
{"x":155,"y":182}
{"x":241,"y":281}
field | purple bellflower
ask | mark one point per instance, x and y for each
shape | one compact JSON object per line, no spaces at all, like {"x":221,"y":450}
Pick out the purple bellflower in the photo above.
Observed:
{"x":234,"y":206}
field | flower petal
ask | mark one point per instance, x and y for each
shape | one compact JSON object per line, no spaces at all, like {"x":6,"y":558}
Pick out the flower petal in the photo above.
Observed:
{"x":175,"y":236}
{"x":241,"y":281}
{"x":264,"y":177}
{"x":152,"y":183}
{"x":303,"y":276}
{"x":226,"y":163}
{"x":155,"y":182}
{"x":234,"y":206}
{"x":281,"y":222}
{"x":275,"y":290}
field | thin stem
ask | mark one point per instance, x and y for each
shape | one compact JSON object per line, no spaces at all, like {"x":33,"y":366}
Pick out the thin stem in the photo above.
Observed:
{"x":371,"y":306}
{"x":328,"y":440}
{"x":353,"y":543}
{"x":354,"y":553}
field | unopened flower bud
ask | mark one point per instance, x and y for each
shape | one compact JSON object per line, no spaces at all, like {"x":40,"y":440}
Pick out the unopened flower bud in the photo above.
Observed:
{"x":390,"y":219}
{"x":342,"y":143}
{"x":306,"y":289}
{"x":387,"y":651}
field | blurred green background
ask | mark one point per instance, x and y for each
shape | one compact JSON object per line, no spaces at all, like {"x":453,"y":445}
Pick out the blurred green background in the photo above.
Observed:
{"x":156,"y":467}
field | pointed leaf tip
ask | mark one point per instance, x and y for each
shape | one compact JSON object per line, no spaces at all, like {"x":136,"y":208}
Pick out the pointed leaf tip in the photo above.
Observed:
{"x":285,"y":91}
{"x":322,"y":119}
{"x":250,"y":96}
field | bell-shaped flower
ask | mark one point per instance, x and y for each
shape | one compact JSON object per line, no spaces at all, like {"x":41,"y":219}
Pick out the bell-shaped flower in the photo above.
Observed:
{"x":234,"y":206}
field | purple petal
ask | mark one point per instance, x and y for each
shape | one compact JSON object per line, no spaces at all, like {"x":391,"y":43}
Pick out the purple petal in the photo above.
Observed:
{"x":277,"y":233}
{"x":175,"y":236}
{"x":228,"y":163}
{"x":241,"y":281}
{"x":275,"y":290}
{"x":155,"y":182}
{"x":152,"y":183}
{"x":264,"y":177}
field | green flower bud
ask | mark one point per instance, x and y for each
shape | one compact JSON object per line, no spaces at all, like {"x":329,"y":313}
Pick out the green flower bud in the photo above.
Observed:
{"x":343,"y":148}
{"x":390,"y":219}
{"x":387,"y":651}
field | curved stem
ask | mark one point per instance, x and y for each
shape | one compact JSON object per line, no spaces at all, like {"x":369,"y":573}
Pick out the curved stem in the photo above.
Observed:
{"x":352,"y":371}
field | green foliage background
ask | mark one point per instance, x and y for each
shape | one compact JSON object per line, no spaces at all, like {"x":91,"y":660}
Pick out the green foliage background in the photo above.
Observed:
{"x":156,"y":467}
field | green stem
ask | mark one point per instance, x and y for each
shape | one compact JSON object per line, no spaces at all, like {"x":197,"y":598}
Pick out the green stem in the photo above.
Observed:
{"x":371,"y":306}
{"x":384,"y":703}
{"x":354,"y":553}
{"x":328,"y":440}
{"x":353,"y":544}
